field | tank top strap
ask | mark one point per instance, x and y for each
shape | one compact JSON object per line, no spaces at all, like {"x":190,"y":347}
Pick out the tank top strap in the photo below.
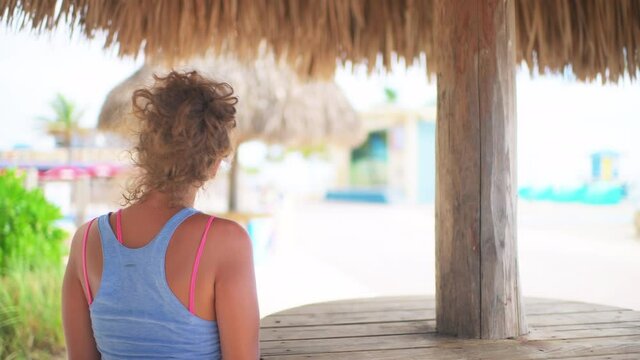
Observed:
{"x":107,"y":237}
{"x":111,"y":257}
{"x":116,"y":254}
{"x":111,"y":245}
{"x":164,"y":236}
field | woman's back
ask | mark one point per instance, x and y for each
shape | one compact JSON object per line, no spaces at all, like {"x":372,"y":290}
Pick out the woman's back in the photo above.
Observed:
{"x":154,"y":324}
{"x":147,"y":296}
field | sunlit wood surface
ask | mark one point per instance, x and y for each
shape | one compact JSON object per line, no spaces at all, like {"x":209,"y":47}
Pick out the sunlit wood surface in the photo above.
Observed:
{"x":404,"y":328}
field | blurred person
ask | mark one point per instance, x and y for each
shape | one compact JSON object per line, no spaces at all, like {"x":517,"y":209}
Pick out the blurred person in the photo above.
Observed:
{"x":159,"y":279}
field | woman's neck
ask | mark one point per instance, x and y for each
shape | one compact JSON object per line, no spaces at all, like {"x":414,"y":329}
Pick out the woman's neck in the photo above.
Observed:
{"x":158,"y":200}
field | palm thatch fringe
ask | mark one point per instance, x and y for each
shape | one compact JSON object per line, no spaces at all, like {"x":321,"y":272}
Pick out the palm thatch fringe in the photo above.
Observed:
{"x":591,"y":38}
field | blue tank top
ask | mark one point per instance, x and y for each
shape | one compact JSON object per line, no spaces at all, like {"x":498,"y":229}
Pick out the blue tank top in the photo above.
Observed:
{"x":135,"y":315}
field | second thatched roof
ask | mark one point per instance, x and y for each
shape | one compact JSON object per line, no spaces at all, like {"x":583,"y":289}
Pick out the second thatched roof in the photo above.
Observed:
{"x":273,"y":106}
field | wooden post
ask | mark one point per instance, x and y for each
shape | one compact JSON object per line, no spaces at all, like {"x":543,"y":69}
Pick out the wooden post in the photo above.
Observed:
{"x":234,"y":171}
{"x":477,"y":285}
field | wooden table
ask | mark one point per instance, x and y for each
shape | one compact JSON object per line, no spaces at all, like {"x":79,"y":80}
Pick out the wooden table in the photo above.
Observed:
{"x":404,"y":328}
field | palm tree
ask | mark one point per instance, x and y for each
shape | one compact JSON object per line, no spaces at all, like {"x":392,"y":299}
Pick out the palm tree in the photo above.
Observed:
{"x":64,"y":123}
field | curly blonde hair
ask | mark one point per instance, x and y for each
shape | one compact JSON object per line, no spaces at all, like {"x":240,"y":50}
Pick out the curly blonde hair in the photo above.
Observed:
{"x":185,"y":128}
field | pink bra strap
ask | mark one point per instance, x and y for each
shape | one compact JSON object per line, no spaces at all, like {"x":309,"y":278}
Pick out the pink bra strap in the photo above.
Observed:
{"x":196,"y":264}
{"x":119,"y":226}
{"x":84,"y":262}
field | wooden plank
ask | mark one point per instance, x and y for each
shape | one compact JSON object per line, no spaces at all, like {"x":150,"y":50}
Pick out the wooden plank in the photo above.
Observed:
{"x":556,"y":331}
{"x":424,"y":303}
{"x":358,"y":306}
{"x":536,"y":300}
{"x":553,"y":333}
{"x":419,"y":354}
{"x":449,"y":348}
{"x":407,"y":302}
{"x":398,"y":354}
{"x":634,"y":356}
{"x":312,"y":346}
{"x":602,"y":317}
{"x":559,"y":330}
{"x":350,"y":330}
{"x":591,"y":347}
{"x":568,"y":307}
{"x":312,"y":316}
{"x":346,"y":318}
{"x":604,"y":327}
{"x":423,"y":340}
{"x":477,"y":290}
{"x":394,"y":299}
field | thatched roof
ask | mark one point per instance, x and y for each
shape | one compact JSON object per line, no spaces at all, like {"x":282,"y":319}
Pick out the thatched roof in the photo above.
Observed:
{"x":588,"y":37}
{"x":273,"y":106}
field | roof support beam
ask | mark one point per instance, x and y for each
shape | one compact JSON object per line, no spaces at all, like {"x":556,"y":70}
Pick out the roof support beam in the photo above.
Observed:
{"x":477,"y":283}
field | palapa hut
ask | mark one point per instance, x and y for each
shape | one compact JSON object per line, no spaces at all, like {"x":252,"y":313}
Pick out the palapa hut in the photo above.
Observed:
{"x":274,"y":106}
{"x":473,"y":46}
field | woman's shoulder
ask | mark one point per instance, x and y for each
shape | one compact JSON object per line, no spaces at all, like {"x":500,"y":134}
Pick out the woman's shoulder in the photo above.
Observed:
{"x":77,"y":246}
{"x":226,"y":232}
{"x":228,"y":242}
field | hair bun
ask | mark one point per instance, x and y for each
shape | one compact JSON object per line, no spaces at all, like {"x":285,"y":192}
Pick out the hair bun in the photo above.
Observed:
{"x":186,"y":120}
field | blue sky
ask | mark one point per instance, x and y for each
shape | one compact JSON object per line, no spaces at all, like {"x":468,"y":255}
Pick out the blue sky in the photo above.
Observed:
{"x":560,"y":121}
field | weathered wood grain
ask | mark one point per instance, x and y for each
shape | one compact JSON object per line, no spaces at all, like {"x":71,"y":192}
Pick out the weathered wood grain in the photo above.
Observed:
{"x":348,"y":330}
{"x":559,"y":330}
{"x":321,"y":314}
{"x":477,"y":286}
{"x":474,"y":349}
{"x":388,"y":342}
{"x":418,"y":354}
{"x":457,"y":209}
{"x":406,"y":302}
{"x":601,"y":317}
{"x":420,"y":302}
{"x":502,"y":314}
{"x":533,"y":306}
{"x":347,"y":318}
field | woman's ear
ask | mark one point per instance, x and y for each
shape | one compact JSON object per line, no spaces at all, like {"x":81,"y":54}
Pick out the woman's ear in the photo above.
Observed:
{"x":215,"y":167}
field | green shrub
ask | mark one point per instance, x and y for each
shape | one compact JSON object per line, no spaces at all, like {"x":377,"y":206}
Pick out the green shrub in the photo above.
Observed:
{"x":30,"y":318}
{"x":29,"y":238}
{"x":31,"y":265}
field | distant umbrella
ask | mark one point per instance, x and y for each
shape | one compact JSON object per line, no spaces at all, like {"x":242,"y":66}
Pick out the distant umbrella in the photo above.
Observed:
{"x":105,"y":170}
{"x":65,"y":173}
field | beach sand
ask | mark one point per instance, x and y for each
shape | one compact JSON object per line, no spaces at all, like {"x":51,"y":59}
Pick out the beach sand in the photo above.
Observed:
{"x":330,"y":250}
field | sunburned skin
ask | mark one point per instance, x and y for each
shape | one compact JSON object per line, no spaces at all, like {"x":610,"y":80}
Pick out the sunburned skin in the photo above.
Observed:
{"x":225,"y":283}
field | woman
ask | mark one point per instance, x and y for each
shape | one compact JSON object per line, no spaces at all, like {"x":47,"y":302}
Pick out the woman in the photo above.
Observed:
{"x":159,"y":279}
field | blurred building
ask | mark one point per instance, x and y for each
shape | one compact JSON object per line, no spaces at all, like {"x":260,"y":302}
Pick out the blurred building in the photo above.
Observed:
{"x":396,"y":163}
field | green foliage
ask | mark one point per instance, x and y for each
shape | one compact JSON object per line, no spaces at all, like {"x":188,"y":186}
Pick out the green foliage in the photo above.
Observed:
{"x":29,"y":238}
{"x":308,"y":151}
{"x":31,"y":254}
{"x":65,"y":114}
{"x":30,"y":318}
{"x":311,"y":150}
{"x":65,"y":120}
{"x":390,"y":94}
